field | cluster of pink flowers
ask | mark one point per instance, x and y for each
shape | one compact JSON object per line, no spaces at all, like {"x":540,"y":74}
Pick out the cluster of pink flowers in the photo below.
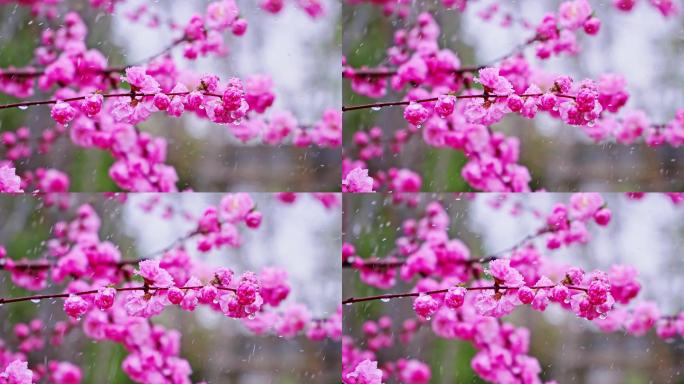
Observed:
{"x":112,"y":298}
{"x":9,"y":181}
{"x":666,"y":7}
{"x":360,"y":365}
{"x":461,"y":297}
{"x":453,"y":106}
{"x":97,"y":108}
{"x":314,"y":8}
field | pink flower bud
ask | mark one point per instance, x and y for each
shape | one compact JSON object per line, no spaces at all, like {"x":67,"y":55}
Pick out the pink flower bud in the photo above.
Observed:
{"x":253,"y":219}
{"x":239,"y":27}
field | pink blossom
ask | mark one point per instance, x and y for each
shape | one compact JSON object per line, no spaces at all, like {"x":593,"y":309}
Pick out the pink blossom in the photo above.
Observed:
{"x":75,"y":306}
{"x":365,"y":372}
{"x":221,"y":14}
{"x":493,"y":82}
{"x":153,"y":274}
{"x":525,"y":295}
{"x":104,"y":299}
{"x":592,"y":26}
{"x":405,"y":180}
{"x":506,"y":275}
{"x":455,"y":297}
{"x":624,"y":5}
{"x":602,"y":216}
{"x":63,"y":113}
{"x":573,"y":14}
{"x":445,"y":106}
{"x":140,"y":80}
{"x":623,"y":283}
{"x":642,"y":318}
{"x":9,"y":181}
{"x":293,"y":320}
{"x":666,"y":7}
{"x":357,"y":181}
{"x":92,"y":104}
{"x":235,"y":207}
{"x":65,"y":373}
{"x":425,"y":306}
{"x":633,"y":126}
{"x":17,"y":372}
{"x":414,"y":372}
{"x":416,"y":113}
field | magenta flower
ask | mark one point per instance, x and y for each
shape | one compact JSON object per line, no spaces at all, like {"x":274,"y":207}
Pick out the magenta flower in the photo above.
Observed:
{"x":140,"y":80}
{"x":17,"y":372}
{"x":357,"y":181}
{"x":506,"y":275}
{"x":63,"y":113}
{"x":153,"y":274}
{"x":493,"y":82}
{"x":365,"y":372}
{"x":75,"y":306}
{"x":9,"y":181}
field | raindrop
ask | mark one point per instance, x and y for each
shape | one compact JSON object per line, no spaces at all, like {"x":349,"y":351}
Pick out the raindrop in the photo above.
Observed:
{"x":385,"y":300}
{"x":375,"y":108}
{"x":35,"y":301}
{"x":23,"y":107}
{"x":348,"y":304}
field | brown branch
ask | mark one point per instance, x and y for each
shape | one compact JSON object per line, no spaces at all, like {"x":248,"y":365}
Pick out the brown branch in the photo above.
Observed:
{"x":353,"y":300}
{"x":106,"y":96}
{"x":145,"y":288}
{"x":485,"y":96}
{"x":387,"y":264}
